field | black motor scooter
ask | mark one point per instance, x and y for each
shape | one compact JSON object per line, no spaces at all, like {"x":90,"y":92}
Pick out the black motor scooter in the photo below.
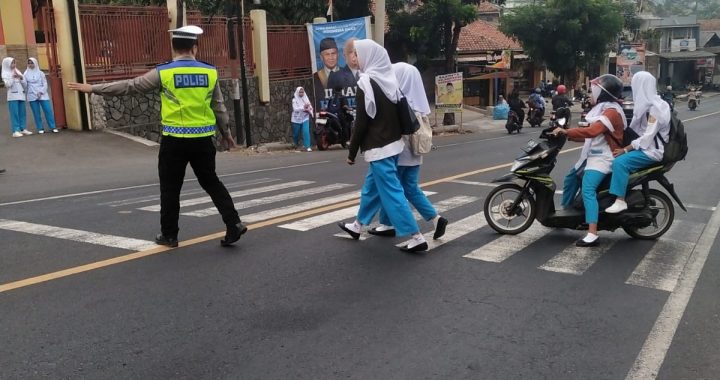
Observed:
{"x":527,"y":194}
{"x":330,"y":130}
{"x":513,"y":123}
{"x":534,"y":115}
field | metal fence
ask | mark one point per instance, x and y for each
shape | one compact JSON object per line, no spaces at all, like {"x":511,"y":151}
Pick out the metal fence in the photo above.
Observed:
{"x":214,"y":45}
{"x":288,"y":52}
{"x":123,"y":42}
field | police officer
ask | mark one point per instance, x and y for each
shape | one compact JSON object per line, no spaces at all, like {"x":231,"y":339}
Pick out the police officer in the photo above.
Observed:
{"x":192,"y":106}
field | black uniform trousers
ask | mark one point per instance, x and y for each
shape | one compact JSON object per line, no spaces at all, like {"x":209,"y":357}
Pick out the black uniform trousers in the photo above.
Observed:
{"x":175,"y":154}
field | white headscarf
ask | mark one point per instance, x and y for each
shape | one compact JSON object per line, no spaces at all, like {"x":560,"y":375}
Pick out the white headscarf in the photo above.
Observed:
{"x":375,"y":64}
{"x":411,"y":85}
{"x":300,"y":100}
{"x":645,"y":97}
{"x":7,"y":72}
{"x":33,"y":74}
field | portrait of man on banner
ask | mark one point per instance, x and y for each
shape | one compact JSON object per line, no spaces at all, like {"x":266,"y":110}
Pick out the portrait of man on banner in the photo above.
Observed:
{"x":334,"y":63}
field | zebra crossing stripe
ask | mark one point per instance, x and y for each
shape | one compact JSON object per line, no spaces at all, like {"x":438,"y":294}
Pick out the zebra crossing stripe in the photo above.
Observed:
{"x":440,"y":207}
{"x":299,"y":207}
{"x":77,"y":235}
{"x":576,"y":260}
{"x":271,"y":199}
{"x":308,"y":224}
{"x":661,"y":267}
{"x":454,"y":231}
{"x":234,"y":194}
{"x":505,"y":246}
{"x":155,"y":198}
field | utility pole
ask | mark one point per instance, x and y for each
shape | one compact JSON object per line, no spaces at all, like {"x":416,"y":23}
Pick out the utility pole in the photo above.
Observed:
{"x":380,"y":22}
{"x":243,"y":77}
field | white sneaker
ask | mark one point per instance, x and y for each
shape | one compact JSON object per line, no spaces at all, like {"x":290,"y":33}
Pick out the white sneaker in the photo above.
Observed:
{"x":617,"y":207}
{"x":41,"y":131}
{"x":309,"y":149}
{"x":26,"y":132}
{"x":55,"y":130}
{"x":17,"y":134}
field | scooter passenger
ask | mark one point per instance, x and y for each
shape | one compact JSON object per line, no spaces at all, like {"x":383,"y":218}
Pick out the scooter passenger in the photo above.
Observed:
{"x":603,"y":135}
{"x":651,"y":122}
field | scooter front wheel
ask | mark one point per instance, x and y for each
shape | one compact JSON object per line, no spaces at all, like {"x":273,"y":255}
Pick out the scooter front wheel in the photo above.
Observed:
{"x":500,"y":215}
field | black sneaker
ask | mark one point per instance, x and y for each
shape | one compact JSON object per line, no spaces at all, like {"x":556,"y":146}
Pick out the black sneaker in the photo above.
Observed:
{"x":353,"y":234}
{"x":388,"y":233}
{"x":418,"y":248}
{"x":233,"y":234}
{"x":161,"y":239}
{"x":440,"y":229}
{"x":583,"y":243}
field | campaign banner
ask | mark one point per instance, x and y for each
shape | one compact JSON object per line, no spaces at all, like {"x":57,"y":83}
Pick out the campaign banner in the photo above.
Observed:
{"x":630,"y":60}
{"x":449,"y":92}
{"x":332,"y":66}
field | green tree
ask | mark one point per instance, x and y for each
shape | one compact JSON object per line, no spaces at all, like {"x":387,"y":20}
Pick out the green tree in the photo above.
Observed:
{"x":347,"y":9}
{"x":429,"y":30}
{"x":566,"y":35}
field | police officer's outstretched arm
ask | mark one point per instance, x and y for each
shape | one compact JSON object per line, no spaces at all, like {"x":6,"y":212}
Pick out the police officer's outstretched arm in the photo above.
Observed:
{"x":145,"y":83}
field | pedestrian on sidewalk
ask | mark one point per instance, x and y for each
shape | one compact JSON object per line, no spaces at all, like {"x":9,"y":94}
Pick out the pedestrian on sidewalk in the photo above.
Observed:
{"x":37,"y":96}
{"x":379,"y":136}
{"x":15,"y":85}
{"x":409,"y":163}
{"x":300,"y":119}
{"x":191,"y":107}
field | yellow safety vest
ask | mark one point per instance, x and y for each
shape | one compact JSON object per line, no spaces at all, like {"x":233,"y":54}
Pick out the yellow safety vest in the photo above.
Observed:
{"x":186,"y":95}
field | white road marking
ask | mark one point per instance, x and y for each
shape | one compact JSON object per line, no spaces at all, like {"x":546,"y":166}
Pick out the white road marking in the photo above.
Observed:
{"x":271,"y":199}
{"x":473,"y":183}
{"x":440,"y":207}
{"x":234,"y":194}
{"x":505,"y":246}
{"x":153,"y":184}
{"x":700,"y":207}
{"x":454,"y":231}
{"x":647,"y":364}
{"x":662,"y":265}
{"x":304,"y":206}
{"x":77,"y":235}
{"x":156,"y":197}
{"x":576,"y":260}
{"x":313,"y":222}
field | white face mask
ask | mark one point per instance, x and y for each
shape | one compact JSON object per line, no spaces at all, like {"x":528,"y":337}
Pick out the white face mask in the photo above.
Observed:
{"x":596,"y":91}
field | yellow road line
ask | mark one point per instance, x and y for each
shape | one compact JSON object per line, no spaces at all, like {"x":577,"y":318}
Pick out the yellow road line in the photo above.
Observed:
{"x":160,"y":249}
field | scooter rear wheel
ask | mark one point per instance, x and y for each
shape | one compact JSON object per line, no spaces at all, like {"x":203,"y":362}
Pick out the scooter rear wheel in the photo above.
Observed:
{"x":660,"y":203}
{"x":503,"y":220}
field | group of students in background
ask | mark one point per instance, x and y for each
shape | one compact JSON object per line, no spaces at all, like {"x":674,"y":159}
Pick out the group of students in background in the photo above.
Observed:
{"x":30,"y":86}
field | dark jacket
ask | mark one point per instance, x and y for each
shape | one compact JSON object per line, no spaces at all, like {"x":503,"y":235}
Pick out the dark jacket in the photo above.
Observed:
{"x":370,"y":133}
{"x":559,"y":101}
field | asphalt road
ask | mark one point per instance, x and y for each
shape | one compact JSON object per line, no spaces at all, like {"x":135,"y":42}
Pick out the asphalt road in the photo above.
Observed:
{"x":85,"y":294}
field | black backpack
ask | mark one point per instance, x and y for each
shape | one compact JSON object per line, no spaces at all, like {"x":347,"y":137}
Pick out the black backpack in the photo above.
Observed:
{"x":676,"y":147}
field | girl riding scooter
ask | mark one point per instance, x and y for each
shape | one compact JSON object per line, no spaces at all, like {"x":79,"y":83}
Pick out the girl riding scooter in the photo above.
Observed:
{"x":603,"y":135}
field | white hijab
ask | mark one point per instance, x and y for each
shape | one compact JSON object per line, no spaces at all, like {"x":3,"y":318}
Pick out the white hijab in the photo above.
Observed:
{"x":411,"y":85}
{"x":300,"y":100}
{"x":7,"y":71}
{"x":375,"y":64}
{"x":33,"y":74}
{"x":645,"y":98}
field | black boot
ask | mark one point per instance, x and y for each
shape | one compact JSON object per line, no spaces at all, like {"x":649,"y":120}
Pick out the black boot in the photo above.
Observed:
{"x":166,"y":240}
{"x":233,"y":234}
